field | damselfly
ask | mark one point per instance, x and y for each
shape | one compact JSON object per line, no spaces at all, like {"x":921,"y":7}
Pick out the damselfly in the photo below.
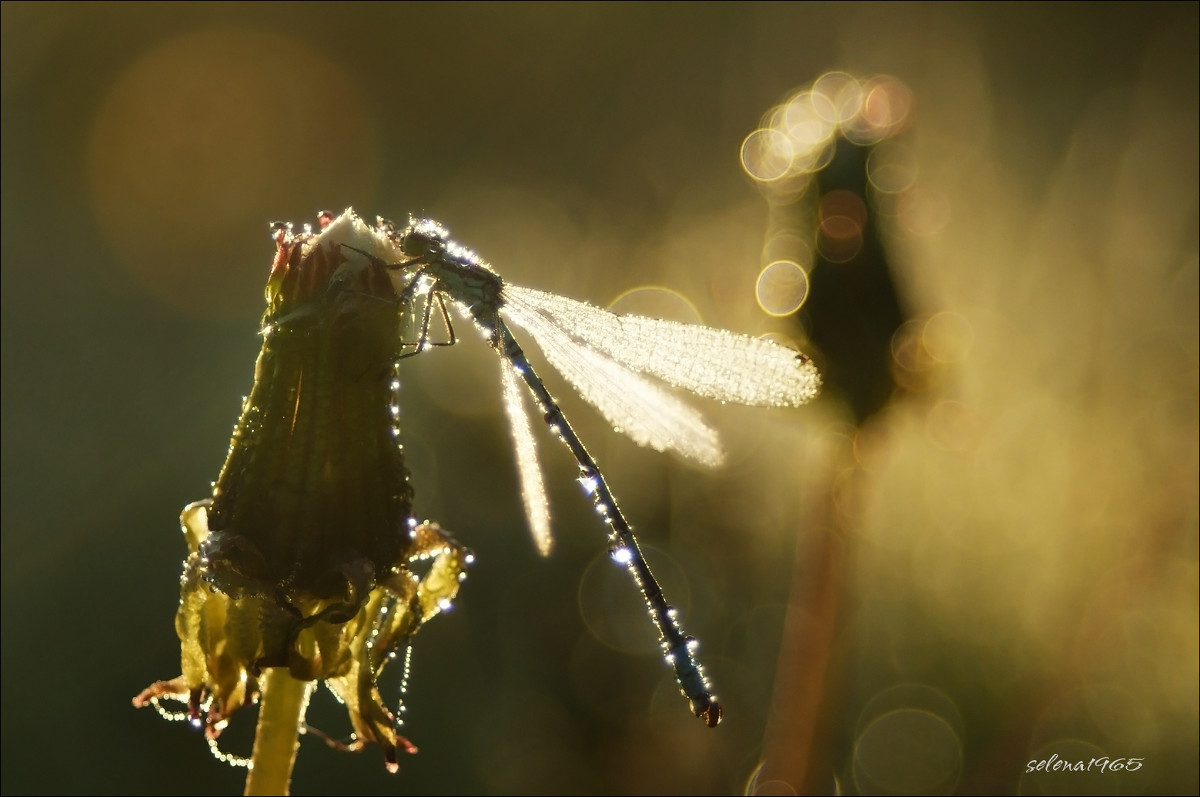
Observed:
{"x":607,"y":358}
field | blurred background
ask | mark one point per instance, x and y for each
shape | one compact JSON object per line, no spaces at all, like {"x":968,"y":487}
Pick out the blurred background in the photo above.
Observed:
{"x":978,"y":549}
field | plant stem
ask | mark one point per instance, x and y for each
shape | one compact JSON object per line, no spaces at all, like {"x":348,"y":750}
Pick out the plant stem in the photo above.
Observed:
{"x":277,"y":737}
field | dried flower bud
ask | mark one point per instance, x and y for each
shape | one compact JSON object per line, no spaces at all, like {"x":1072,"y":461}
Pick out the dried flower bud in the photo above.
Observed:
{"x":301,"y":558}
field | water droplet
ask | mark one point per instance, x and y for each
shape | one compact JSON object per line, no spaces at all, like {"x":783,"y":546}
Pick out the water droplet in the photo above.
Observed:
{"x":621,"y":555}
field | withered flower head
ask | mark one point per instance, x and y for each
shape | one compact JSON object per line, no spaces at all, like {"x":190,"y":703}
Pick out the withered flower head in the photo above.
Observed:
{"x":303,"y":556}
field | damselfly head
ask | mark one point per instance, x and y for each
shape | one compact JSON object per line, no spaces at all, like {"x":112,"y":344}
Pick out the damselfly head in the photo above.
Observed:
{"x":423,"y":237}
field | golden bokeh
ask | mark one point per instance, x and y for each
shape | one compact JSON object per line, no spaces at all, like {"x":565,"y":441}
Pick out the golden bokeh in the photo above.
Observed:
{"x":998,"y":565}
{"x":781,"y":288}
{"x":212,"y":128}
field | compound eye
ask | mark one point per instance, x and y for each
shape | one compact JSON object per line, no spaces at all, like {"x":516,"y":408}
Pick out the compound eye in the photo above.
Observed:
{"x":416,"y":244}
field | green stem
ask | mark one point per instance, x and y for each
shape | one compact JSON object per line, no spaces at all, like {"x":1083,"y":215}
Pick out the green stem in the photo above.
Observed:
{"x":277,"y":737}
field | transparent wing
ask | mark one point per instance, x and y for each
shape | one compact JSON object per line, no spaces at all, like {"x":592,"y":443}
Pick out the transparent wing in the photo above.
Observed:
{"x":635,"y":406}
{"x":713,"y":363}
{"x":533,"y":490}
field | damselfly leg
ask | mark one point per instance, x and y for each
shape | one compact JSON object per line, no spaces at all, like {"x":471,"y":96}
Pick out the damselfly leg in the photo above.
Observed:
{"x":419,"y":286}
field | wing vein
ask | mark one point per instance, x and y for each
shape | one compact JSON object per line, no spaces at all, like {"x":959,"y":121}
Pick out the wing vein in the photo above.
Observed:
{"x":713,"y":363}
{"x":635,"y":406}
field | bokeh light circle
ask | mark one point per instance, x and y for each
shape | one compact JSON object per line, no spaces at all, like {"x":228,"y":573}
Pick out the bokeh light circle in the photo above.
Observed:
{"x":767,"y":155}
{"x":842,"y":95}
{"x":892,"y":167}
{"x":907,"y":751}
{"x":653,"y":301}
{"x":208,"y":137}
{"x":781,"y":288}
{"x":948,"y":337}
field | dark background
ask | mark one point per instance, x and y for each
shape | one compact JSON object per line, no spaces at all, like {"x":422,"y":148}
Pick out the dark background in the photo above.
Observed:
{"x":1007,"y":551}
